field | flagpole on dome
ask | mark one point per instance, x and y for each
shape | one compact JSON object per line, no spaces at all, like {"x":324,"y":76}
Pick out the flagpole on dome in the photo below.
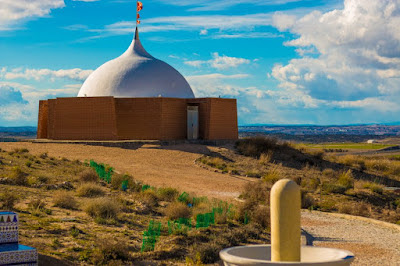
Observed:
{"x":139,"y":6}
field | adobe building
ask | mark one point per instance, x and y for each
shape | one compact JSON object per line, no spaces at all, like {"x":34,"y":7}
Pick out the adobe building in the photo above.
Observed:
{"x":137,"y":97}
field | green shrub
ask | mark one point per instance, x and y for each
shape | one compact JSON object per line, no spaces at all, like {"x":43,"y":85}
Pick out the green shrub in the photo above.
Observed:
{"x":167,"y":194}
{"x":88,"y":175}
{"x":105,"y":208}
{"x":28,"y":163}
{"x":306,"y":200}
{"x":90,"y":190}
{"x":8,"y":200}
{"x":176,"y":210}
{"x":65,"y":200}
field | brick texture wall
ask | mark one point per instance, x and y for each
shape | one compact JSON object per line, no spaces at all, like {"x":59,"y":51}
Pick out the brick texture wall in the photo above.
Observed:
{"x":42,"y":119}
{"x":108,"y":118}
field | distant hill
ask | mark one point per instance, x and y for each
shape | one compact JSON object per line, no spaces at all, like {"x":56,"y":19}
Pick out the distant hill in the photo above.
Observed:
{"x":17,"y":129}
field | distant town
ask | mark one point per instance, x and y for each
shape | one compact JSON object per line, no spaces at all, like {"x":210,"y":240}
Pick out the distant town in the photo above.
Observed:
{"x":310,"y":133}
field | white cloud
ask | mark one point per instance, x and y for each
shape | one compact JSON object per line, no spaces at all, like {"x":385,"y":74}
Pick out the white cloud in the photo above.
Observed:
{"x":212,"y":5}
{"x":349,"y":58}
{"x":13,"y":11}
{"x":39,"y":74}
{"x":219,"y":62}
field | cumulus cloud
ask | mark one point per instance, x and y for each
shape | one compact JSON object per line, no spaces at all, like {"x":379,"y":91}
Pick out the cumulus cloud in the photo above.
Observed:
{"x":349,"y":58}
{"x":9,"y":95}
{"x":38,"y":74}
{"x":13,"y":11}
{"x":219,"y":62}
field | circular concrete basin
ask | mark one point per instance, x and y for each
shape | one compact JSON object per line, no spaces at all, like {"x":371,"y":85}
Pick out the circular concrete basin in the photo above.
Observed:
{"x":261,"y":255}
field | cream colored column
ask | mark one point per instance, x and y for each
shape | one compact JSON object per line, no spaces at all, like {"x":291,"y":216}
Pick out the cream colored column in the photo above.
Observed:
{"x":285,"y":221}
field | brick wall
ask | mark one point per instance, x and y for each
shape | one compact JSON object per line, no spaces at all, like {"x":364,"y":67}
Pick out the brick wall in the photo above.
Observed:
{"x":223,"y":119}
{"x":42,"y":120}
{"x":83,"y":118}
{"x":108,"y":118}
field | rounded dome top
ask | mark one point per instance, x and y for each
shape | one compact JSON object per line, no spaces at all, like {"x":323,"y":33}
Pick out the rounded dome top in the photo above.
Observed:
{"x":136,"y":74}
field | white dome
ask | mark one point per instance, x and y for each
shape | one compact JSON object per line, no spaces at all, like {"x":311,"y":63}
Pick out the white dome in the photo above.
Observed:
{"x":136,"y":74}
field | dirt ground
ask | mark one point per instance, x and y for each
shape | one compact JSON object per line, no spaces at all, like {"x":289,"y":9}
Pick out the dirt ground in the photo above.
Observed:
{"x":159,"y":166}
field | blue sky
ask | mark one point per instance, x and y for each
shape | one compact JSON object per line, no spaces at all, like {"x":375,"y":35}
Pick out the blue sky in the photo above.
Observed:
{"x":286,"y":61}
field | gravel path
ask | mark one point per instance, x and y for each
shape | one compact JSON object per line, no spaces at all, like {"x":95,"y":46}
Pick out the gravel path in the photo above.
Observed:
{"x":160,"y":166}
{"x":372,"y":244}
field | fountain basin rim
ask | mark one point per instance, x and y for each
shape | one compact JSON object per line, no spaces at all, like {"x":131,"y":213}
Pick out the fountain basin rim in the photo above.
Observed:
{"x":345,"y":258}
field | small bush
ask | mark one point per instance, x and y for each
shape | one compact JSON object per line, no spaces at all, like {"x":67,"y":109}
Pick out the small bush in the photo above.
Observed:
{"x":108,"y":250}
{"x":37,"y":204}
{"x":88,"y":175}
{"x":105,"y":208}
{"x":8,"y":200}
{"x":43,"y":155}
{"x":28,"y":163}
{"x":90,"y":190}
{"x":214,"y":162}
{"x":117,"y":180}
{"x":148,"y":198}
{"x":176,"y":210}
{"x":346,"y":179}
{"x":256,"y":146}
{"x":167,"y":194}
{"x":376,"y":188}
{"x":333,"y":188}
{"x":209,"y":252}
{"x":329,"y":173}
{"x":306,"y":200}
{"x":19,"y":177}
{"x":273,"y":175}
{"x":265,"y":158}
{"x":253,"y":173}
{"x":65,"y":200}
{"x":257,"y":192}
{"x":261,"y":216}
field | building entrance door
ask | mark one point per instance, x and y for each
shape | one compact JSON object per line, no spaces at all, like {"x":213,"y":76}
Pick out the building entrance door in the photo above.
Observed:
{"x":192,"y":122}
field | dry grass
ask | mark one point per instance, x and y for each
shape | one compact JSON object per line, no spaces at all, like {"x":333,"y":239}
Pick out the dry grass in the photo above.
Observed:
{"x":109,"y":251}
{"x":90,"y":190}
{"x":8,"y":200}
{"x":65,"y":200}
{"x":18,"y":177}
{"x":177,"y":210}
{"x":266,"y":158}
{"x":105,"y":208}
{"x":88,"y":175}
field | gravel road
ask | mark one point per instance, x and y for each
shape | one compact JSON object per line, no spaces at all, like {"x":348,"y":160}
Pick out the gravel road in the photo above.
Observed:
{"x":372,"y":244}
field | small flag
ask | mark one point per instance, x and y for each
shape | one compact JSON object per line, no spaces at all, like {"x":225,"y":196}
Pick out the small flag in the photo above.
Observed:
{"x":138,"y":21}
{"x":139,"y":6}
{"x":138,"y":16}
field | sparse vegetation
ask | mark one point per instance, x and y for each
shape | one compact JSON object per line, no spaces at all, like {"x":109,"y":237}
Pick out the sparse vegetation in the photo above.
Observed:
{"x":176,"y":210}
{"x":65,"y":200}
{"x":8,"y":200}
{"x":90,"y":190}
{"x":88,"y":175}
{"x":105,"y":208}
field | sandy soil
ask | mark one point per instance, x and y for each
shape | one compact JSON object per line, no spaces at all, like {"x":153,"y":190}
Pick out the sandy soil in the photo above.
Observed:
{"x":174,"y":166}
{"x":160,"y":166}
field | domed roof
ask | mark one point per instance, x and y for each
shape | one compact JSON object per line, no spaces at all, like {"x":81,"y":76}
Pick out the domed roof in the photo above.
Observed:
{"x":136,"y":74}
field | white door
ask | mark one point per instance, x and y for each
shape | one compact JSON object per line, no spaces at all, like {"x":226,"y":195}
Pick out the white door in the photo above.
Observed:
{"x":192,"y":122}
